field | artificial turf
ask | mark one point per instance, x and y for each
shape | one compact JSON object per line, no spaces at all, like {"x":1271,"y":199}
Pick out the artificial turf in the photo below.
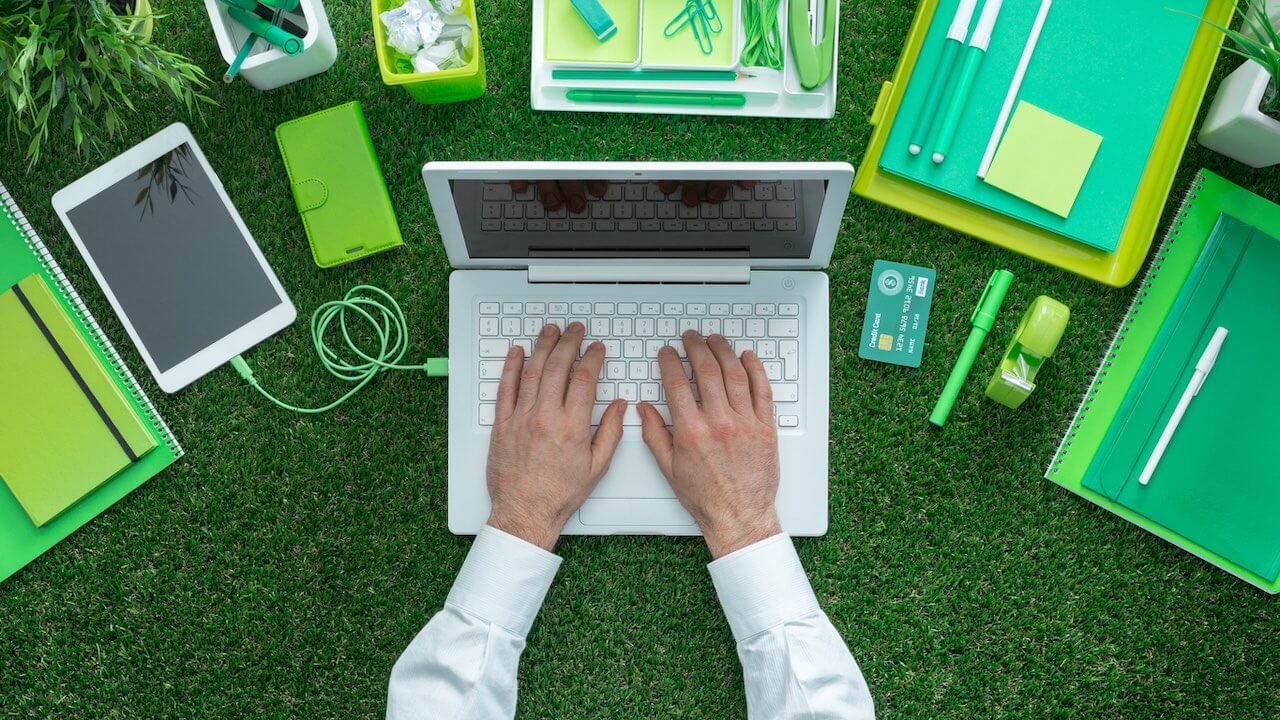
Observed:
{"x":280,"y":567}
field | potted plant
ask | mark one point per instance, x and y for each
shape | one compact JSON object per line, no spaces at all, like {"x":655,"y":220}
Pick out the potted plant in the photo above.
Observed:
{"x":74,"y":67}
{"x":1243,"y":122}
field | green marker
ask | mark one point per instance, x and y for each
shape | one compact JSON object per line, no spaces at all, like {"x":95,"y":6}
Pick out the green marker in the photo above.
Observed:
{"x":956,"y":35}
{"x":642,"y":97}
{"x":984,"y":316}
{"x":288,"y":42}
{"x":650,"y":75}
{"x":978,"y":45}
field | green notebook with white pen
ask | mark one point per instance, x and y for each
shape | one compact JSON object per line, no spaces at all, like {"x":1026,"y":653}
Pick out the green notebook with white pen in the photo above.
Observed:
{"x":1215,"y":491}
{"x":77,"y":432}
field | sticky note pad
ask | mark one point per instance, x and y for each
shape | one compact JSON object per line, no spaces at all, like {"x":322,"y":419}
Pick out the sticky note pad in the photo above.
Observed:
{"x":568,"y":38}
{"x":897,"y":318}
{"x":1043,"y":159}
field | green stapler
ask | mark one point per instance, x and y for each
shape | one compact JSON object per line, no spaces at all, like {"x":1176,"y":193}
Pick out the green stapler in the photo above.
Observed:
{"x":814,"y":51}
{"x":1034,"y":342}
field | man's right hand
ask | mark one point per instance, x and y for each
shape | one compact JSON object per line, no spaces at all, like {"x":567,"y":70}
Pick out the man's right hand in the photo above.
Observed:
{"x":721,"y":457}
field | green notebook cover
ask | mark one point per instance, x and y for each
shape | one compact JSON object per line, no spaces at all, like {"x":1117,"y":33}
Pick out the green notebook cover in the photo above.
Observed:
{"x":1136,"y":51}
{"x":22,"y":253}
{"x":65,"y":428}
{"x":1232,"y":286}
{"x":337,"y":185}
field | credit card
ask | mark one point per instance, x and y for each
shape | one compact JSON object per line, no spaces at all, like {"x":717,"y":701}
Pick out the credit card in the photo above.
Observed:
{"x":897,"y":317}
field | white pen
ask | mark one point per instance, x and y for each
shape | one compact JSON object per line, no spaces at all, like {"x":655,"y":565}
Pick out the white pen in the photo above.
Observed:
{"x":1203,"y":367}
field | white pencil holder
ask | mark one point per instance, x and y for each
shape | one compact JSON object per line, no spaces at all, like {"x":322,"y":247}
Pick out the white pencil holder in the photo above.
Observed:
{"x":268,"y":67}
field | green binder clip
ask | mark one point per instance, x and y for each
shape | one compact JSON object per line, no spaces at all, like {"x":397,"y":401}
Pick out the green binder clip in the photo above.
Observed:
{"x":811,"y":25}
{"x":1033,"y":343}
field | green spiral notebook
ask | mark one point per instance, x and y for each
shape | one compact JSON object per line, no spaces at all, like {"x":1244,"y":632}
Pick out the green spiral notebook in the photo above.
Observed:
{"x":78,"y":431}
{"x":1216,"y":490}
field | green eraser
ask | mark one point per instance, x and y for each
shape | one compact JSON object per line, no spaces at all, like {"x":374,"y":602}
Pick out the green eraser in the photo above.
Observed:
{"x":597,"y":18}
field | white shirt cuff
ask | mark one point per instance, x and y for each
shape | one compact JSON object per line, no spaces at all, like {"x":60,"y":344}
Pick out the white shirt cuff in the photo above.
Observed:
{"x":762,"y":586}
{"x":504,"y":580}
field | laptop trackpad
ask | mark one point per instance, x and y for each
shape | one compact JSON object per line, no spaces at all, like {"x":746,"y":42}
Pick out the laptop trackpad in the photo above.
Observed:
{"x":629,"y":512}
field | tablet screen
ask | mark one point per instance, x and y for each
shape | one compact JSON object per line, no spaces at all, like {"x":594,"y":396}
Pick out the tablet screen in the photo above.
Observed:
{"x":171,"y":253}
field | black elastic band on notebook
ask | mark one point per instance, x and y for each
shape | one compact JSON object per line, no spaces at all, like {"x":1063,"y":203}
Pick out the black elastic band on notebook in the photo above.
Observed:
{"x":84,"y":387}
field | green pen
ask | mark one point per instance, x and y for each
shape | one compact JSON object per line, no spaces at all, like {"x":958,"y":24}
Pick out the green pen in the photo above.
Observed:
{"x":984,"y":316}
{"x":643,"y":97}
{"x":978,"y":45}
{"x":956,"y":35}
{"x":650,"y":75}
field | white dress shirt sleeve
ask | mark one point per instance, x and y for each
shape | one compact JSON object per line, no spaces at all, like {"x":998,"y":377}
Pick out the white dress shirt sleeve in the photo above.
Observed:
{"x":794,"y":662}
{"x":463,"y":663}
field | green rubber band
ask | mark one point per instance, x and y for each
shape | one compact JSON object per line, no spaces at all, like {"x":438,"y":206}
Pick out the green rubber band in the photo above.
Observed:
{"x":762,"y":46}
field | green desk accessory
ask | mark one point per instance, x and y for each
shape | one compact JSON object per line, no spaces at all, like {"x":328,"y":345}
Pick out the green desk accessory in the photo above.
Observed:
{"x":23,"y":254}
{"x":1214,"y":493}
{"x":65,"y":428}
{"x":1034,"y":342}
{"x":248,"y":13}
{"x":984,"y":316}
{"x":337,"y":185}
{"x":956,"y":105}
{"x":1119,"y":208}
{"x":666,"y":43}
{"x":942,"y":72}
{"x":651,"y":75}
{"x":703,"y":21}
{"x":812,"y":39}
{"x":762,"y":41}
{"x":596,"y":18}
{"x":566,"y":39}
{"x":645,"y":97}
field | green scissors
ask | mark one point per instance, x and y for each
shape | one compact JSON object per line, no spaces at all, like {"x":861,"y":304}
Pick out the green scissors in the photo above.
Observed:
{"x":704,"y":20}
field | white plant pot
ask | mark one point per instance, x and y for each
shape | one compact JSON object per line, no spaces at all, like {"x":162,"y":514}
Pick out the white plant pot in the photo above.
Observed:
{"x":1236,"y":126}
{"x":268,"y":67}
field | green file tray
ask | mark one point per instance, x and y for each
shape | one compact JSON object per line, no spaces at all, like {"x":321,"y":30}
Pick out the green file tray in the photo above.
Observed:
{"x":1115,"y":269}
{"x":444,"y":86}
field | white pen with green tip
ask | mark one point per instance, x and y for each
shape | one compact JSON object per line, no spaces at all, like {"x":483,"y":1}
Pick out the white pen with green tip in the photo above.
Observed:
{"x":956,"y":36}
{"x":978,"y":44}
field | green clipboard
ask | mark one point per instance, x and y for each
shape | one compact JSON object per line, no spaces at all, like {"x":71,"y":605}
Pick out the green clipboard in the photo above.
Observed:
{"x":1215,"y":487}
{"x":1111,"y":268}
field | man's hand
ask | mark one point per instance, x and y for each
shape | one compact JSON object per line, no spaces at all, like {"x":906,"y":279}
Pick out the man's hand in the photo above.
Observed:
{"x":694,"y":192}
{"x":543,"y":460}
{"x":722,"y":458}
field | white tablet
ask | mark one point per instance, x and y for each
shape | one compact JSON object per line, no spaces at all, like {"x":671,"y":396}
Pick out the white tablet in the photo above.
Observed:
{"x":174,"y":258}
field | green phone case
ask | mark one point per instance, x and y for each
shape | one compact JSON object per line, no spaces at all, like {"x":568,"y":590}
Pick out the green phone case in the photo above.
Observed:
{"x":338,"y":186}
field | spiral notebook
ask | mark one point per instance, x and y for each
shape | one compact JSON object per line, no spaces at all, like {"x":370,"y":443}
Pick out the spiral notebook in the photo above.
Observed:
{"x":1216,"y":490}
{"x":56,"y":506}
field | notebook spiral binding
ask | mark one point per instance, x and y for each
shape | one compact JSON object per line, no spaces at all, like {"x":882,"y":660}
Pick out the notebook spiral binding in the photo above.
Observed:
{"x":68,"y":292}
{"x":1117,"y":343}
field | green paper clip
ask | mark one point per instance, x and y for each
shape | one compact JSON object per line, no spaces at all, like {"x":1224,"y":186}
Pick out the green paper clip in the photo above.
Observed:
{"x":1034,"y":342}
{"x":703,"y":20}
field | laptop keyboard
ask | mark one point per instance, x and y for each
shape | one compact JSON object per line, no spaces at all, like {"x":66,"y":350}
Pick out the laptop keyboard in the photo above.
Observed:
{"x":640,"y":206}
{"x":632,"y":333}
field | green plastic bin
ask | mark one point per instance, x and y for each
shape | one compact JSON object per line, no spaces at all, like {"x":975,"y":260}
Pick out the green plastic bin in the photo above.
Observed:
{"x":444,"y":86}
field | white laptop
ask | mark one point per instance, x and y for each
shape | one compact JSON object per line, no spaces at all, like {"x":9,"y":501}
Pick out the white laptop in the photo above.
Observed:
{"x":638,"y":265}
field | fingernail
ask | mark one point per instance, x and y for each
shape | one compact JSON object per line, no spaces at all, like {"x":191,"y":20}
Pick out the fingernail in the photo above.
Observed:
{"x":549,"y":330}
{"x":576,"y":326}
{"x":515,"y":350}
{"x":716,"y":336}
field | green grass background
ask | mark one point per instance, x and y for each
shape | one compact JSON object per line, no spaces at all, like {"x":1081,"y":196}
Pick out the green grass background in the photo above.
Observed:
{"x":279,"y":568}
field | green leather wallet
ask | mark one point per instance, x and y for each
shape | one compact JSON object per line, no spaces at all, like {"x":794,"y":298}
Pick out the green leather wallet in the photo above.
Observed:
{"x":338,"y":186}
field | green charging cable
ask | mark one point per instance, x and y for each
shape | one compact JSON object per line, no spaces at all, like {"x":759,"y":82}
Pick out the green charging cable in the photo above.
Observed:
{"x":383,"y":315}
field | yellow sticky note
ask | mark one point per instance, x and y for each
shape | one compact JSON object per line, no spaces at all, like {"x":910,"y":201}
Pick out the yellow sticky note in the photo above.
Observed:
{"x":1043,"y":159}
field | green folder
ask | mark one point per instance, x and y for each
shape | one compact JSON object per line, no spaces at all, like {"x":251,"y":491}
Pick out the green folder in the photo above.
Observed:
{"x":65,"y":428}
{"x":22,"y":254}
{"x":1108,"y":66}
{"x":1215,"y":492}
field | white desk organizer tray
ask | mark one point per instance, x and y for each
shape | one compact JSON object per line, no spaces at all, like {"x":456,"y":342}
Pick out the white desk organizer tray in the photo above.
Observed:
{"x":267,"y":66}
{"x":770,"y":93}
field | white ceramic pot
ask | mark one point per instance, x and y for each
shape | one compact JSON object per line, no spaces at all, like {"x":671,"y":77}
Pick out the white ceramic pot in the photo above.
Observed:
{"x":1236,"y":126}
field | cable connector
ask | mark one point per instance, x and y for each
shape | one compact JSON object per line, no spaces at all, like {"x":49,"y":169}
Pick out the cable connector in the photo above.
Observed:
{"x":243,"y":368}
{"x":437,"y":367}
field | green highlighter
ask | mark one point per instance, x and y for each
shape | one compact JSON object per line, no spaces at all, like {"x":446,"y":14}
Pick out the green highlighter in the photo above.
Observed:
{"x":644,"y":97}
{"x":978,"y":44}
{"x":984,"y":317}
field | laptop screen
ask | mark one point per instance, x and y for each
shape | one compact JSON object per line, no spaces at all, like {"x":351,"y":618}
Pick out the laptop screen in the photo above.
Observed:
{"x":599,"y":218}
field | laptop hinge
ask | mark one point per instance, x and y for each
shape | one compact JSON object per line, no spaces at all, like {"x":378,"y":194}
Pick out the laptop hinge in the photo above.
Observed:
{"x":634,"y":272}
